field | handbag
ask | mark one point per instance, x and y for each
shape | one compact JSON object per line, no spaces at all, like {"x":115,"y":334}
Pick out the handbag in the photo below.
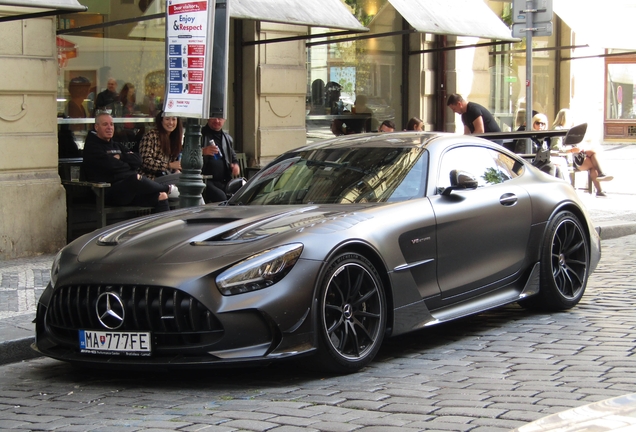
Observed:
{"x":578,"y":159}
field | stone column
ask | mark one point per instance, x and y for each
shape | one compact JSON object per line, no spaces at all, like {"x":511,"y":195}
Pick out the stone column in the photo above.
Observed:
{"x":33,"y":209}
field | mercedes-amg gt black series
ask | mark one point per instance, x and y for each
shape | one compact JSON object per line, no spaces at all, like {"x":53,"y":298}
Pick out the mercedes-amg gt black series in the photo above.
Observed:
{"x":325,"y":252}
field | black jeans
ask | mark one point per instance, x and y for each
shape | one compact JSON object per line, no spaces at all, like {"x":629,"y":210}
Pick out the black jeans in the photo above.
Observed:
{"x":138,"y":192}
{"x":214,"y":191}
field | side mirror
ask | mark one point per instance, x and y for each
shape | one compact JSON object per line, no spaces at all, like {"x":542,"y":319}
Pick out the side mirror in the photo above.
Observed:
{"x":234,"y":185}
{"x":460,"y":180}
{"x":575,"y":135}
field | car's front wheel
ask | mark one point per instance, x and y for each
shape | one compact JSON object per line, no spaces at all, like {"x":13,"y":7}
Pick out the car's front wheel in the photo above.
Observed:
{"x":565,"y":259}
{"x":351,"y":314}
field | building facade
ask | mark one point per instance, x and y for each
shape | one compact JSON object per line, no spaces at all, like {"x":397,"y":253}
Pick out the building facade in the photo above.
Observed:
{"x":293,"y":77}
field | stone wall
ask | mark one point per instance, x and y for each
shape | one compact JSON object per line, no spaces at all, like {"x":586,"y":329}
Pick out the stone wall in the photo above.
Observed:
{"x":32,"y":200}
{"x":275,"y":87}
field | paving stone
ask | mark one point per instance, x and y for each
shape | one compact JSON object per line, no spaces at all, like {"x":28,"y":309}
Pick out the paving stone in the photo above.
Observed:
{"x":498,"y":423}
{"x":363,"y":404}
{"x":524,"y":416}
{"x":413,"y":409}
{"x":440,"y":424}
{"x":292,"y":429}
{"x":381,"y":428}
{"x":299,"y":411}
{"x":244,"y":415}
{"x":387,"y":421}
{"x":294,"y":421}
{"x":253,"y":425}
{"x":14,"y":424}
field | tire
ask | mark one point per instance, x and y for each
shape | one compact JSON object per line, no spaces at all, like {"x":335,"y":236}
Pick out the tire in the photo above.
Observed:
{"x":351,"y":314}
{"x":565,"y":261}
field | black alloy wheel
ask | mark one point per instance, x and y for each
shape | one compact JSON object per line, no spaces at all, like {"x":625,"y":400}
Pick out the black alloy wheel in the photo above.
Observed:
{"x":352,"y":314}
{"x":565,"y":259}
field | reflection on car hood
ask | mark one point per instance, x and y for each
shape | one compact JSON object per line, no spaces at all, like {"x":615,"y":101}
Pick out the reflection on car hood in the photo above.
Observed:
{"x":617,"y":414}
{"x":166,"y":237}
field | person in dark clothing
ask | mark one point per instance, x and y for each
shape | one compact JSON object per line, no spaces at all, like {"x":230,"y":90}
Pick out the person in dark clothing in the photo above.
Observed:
{"x":108,"y":98}
{"x":108,"y":161}
{"x":476,"y":118}
{"x":67,"y":148}
{"x":219,"y":159}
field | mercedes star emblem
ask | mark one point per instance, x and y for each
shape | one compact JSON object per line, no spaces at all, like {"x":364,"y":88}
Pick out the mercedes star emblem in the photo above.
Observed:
{"x":110,"y":310}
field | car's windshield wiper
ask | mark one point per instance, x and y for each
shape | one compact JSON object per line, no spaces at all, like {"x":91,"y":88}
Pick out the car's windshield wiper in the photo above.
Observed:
{"x":336,"y":165}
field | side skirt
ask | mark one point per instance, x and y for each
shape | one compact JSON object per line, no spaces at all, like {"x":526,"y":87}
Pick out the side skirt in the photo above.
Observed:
{"x":417,"y":315}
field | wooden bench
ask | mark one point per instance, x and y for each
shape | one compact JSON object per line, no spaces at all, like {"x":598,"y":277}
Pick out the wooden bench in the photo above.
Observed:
{"x":86,"y":209}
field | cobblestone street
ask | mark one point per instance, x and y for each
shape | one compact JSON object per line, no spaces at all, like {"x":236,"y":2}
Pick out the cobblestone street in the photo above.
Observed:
{"x":491,"y":372}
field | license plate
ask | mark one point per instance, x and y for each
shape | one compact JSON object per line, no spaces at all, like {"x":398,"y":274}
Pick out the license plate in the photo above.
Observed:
{"x":115,"y":343}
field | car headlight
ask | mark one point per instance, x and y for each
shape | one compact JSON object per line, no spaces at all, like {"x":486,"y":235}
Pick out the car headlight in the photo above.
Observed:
{"x":259,"y":271}
{"x":55,"y":268}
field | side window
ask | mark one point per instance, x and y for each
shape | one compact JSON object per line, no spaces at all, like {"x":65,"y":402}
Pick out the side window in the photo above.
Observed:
{"x":488,"y":166}
{"x":508,"y":165}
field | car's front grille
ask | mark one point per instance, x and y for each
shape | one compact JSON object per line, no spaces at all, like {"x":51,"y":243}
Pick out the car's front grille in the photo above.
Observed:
{"x":176,"y":319}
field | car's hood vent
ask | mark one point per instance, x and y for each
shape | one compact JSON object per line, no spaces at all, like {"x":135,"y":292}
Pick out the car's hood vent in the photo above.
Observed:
{"x":218,"y":224}
{"x":250,"y":230}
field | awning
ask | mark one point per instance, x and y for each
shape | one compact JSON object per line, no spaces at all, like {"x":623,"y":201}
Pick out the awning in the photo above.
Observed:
{"x":316,"y":13}
{"x":453,"y":17}
{"x":599,"y":25}
{"x":313,"y":13}
{"x":37,"y":8}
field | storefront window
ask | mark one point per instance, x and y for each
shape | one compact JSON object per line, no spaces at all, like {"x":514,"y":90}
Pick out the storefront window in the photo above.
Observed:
{"x":620,"y":90}
{"x":353,"y":86}
{"x":116,"y":41}
{"x":508,"y":78}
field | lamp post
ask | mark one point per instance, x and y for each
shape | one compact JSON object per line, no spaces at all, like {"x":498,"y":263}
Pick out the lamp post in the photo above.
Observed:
{"x":196,"y":79}
{"x":191,"y":182}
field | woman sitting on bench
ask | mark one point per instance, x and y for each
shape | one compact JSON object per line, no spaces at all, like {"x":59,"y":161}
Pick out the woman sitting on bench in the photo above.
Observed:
{"x":108,"y":161}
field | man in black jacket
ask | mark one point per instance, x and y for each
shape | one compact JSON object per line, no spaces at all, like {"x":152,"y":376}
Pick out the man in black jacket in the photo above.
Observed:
{"x":107,"y":99}
{"x":108,"y":161}
{"x":219,"y":159}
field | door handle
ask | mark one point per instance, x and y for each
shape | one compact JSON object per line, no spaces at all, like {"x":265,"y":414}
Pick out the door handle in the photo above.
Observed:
{"x":508,"y":199}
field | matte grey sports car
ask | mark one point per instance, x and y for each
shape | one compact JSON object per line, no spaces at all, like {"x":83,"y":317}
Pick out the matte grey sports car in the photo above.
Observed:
{"x":326,"y":251}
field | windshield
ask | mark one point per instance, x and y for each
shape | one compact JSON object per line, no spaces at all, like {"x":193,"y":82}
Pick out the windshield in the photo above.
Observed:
{"x":338,"y":176}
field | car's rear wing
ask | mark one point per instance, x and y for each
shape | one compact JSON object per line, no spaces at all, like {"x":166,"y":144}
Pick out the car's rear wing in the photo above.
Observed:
{"x":572,"y":136}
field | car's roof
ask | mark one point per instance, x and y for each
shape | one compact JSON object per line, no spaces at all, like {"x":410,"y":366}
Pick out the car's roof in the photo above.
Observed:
{"x":397,"y":139}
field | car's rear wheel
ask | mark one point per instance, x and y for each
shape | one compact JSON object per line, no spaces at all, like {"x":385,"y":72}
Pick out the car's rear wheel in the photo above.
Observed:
{"x":565,"y":259}
{"x":351,"y":314}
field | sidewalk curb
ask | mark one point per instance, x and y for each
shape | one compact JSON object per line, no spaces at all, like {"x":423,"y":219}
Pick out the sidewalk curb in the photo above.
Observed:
{"x":17,"y":350}
{"x":614,"y":230}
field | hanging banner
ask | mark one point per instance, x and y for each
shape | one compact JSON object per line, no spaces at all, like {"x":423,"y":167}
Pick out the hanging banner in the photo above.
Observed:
{"x":189,"y":33}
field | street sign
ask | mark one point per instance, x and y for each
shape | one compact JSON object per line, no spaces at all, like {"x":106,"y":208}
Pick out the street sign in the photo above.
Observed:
{"x":189,"y":36}
{"x":543,"y":12}
{"x":542,"y":29}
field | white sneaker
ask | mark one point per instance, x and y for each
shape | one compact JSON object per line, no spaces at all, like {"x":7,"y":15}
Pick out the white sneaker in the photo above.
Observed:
{"x":604,"y":177}
{"x":174,"y":192}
